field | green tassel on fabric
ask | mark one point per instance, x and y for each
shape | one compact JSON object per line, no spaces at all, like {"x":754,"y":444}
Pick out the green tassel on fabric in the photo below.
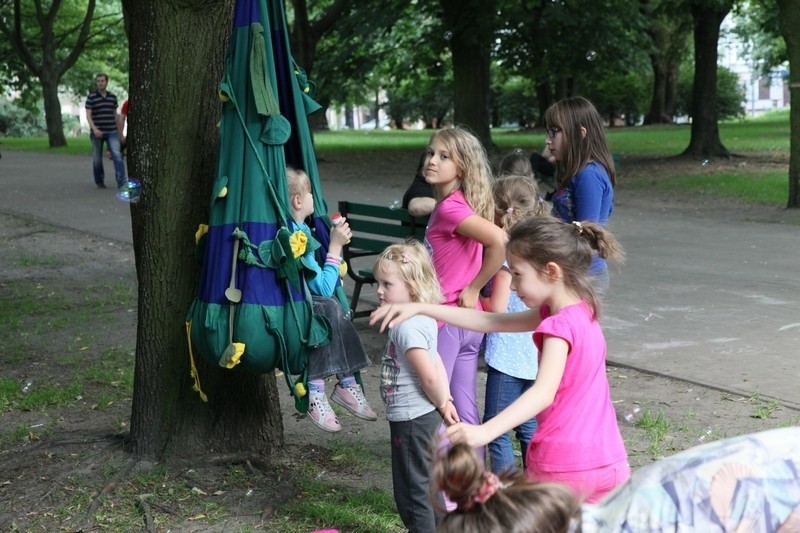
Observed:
{"x":266,"y":103}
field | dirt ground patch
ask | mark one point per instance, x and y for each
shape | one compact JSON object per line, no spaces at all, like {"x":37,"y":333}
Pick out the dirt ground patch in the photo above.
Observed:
{"x":63,"y":464}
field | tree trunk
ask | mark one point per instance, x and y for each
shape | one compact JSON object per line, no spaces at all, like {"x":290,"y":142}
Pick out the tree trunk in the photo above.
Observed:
{"x":671,"y":92}
{"x":705,"y":140}
{"x":471,"y":23}
{"x":656,"y":113}
{"x":544,"y":97}
{"x":176,"y":61}
{"x":52,"y":113}
{"x":789,"y":22}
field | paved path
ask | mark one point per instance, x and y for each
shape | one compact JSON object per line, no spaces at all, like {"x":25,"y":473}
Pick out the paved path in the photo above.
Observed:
{"x":712,"y":302}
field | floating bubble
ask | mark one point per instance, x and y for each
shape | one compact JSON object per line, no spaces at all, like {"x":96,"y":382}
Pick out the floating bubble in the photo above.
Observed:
{"x":448,"y":35}
{"x":591,"y":55}
{"x":705,"y":162}
{"x":633,"y":415}
{"x":518,"y":151}
{"x":396,"y":204}
{"x":248,"y":493}
{"x":705,"y":436}
{"x":26,"y":388}
{"x":130,"y":192}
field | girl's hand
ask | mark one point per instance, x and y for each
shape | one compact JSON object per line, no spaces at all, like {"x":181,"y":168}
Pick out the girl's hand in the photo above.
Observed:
{"x":468,"y":297}
{"x":341,"y":234}
{"x":473,"y":436}
{"x":449,"y":413}
{"x":392,"y":314}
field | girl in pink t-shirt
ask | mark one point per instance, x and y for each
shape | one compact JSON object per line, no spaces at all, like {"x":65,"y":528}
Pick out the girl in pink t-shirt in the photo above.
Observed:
{"x":577,"y":442}
{"x":466,"y":248}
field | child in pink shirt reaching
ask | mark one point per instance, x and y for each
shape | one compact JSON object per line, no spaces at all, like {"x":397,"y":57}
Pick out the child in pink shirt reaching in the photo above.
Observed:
{"x":578,"y":442}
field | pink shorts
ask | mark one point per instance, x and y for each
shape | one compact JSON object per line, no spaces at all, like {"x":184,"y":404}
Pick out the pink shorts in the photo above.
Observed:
{"x":589,"y":485}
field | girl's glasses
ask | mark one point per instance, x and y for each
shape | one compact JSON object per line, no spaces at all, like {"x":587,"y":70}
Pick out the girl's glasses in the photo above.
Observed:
{"x":552,"y":132}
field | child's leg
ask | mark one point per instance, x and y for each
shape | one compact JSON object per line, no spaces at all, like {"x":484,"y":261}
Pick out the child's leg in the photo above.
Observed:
{"x":459,"y":351}
{"x":411,"y":451}
{"x":349,"y":394}
{"x":501,"y":391}
{"x":319,"y":410}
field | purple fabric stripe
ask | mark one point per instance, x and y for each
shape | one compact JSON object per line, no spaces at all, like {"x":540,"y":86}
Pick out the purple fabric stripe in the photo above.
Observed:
{"x":246,"y":13}
{"x":259,"y":286}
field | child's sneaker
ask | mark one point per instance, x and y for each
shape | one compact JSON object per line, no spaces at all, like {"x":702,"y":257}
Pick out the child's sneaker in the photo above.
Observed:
{"x":321,"y":414}
{"x":352,"y":398}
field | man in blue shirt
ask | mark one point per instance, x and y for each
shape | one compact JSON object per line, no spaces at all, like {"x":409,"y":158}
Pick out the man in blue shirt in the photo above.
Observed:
{"x":101,"y":113}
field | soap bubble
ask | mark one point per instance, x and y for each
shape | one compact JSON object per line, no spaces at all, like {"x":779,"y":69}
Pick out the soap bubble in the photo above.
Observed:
{"x":395,"y":204}
{"x":591,"y":55}
{"x":633,"y":415}
{"x":705,"y":436}
{"x":705,"y":163}
{"x":131,"y":191}
{"x":448,"y":35}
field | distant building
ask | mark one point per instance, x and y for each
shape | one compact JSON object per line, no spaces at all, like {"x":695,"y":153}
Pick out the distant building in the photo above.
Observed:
{"x":762,"y":92}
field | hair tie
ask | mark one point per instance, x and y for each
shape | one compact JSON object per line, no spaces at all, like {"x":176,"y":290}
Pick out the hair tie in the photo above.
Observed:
{"x":509,"y":210}
{"x":405,"y":257}
{"x":579,"y":226}
{"x":489,"y":486}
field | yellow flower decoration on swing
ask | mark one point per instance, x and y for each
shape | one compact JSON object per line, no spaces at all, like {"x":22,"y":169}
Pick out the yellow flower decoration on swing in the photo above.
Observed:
{"x":298,"y":241}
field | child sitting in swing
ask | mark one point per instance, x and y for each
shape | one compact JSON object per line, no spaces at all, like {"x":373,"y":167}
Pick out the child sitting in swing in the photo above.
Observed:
{"x":345,"y":354}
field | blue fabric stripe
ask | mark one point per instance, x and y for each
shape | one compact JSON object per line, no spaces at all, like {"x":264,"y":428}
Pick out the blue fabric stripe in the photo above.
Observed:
{"x":259,"y":286}
{"x":246,"y":13}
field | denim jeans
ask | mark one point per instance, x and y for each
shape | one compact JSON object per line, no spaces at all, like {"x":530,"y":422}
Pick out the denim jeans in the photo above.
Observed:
{"x":501,"y":391}
{"x":112,"y":141}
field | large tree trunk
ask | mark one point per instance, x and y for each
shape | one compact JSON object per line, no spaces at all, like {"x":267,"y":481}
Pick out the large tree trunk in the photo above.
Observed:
{"x":471,"y":24}
{"x":52,"y":113}
{"x":544,"y":97}
{"x":789,"y":22}
{"x":656,"y":114}
{"x":671,"y":92}
{"x":705,"y":140}
{"x":176,"y":61}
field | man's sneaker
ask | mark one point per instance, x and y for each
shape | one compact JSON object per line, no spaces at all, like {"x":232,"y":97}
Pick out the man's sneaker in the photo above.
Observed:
{"x":352,"y":398}
{"x":321,"y":414}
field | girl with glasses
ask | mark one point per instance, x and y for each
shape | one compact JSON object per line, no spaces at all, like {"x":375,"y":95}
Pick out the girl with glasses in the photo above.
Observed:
{"x":584,"y":169}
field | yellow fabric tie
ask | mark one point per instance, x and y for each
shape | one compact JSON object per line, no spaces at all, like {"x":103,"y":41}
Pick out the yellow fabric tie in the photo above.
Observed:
{"x":194,"y":374}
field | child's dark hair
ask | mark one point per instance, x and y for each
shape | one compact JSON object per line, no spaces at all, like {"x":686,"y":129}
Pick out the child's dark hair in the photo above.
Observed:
{"x":508,"y":503}
{"x":515,"y":163}
{"x":543,"y":240}
{"x":570,"y":115}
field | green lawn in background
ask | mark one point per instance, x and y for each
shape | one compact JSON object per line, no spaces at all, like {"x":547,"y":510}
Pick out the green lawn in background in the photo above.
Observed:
{"x":749,"y":183}
{"x":767,"y":133}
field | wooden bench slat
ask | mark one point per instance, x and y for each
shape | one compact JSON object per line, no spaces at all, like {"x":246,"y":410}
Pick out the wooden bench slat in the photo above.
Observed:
{"x":374,"y":228}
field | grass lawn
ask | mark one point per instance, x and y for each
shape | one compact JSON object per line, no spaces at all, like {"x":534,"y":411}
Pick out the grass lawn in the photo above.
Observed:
{"x":758,"y":184}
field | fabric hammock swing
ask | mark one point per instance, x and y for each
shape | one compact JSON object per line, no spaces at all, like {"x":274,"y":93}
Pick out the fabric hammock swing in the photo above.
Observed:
{"x":253,"y":310}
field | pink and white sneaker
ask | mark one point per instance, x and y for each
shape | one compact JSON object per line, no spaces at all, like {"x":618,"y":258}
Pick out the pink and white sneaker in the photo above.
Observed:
{"x":321,"y":414}
{"x":352,"y":398}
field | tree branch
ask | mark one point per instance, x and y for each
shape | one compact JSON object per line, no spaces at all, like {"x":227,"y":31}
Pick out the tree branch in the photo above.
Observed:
{"x":81,"y":44}
{"x":329,"y":18}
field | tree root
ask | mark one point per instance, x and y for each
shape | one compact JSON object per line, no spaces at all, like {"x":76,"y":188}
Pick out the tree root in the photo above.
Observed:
{"x":98,"y":501}
{"x":141,"y":503}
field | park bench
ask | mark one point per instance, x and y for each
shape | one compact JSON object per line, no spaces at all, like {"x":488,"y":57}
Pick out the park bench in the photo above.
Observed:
{"x":374,"y":228}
